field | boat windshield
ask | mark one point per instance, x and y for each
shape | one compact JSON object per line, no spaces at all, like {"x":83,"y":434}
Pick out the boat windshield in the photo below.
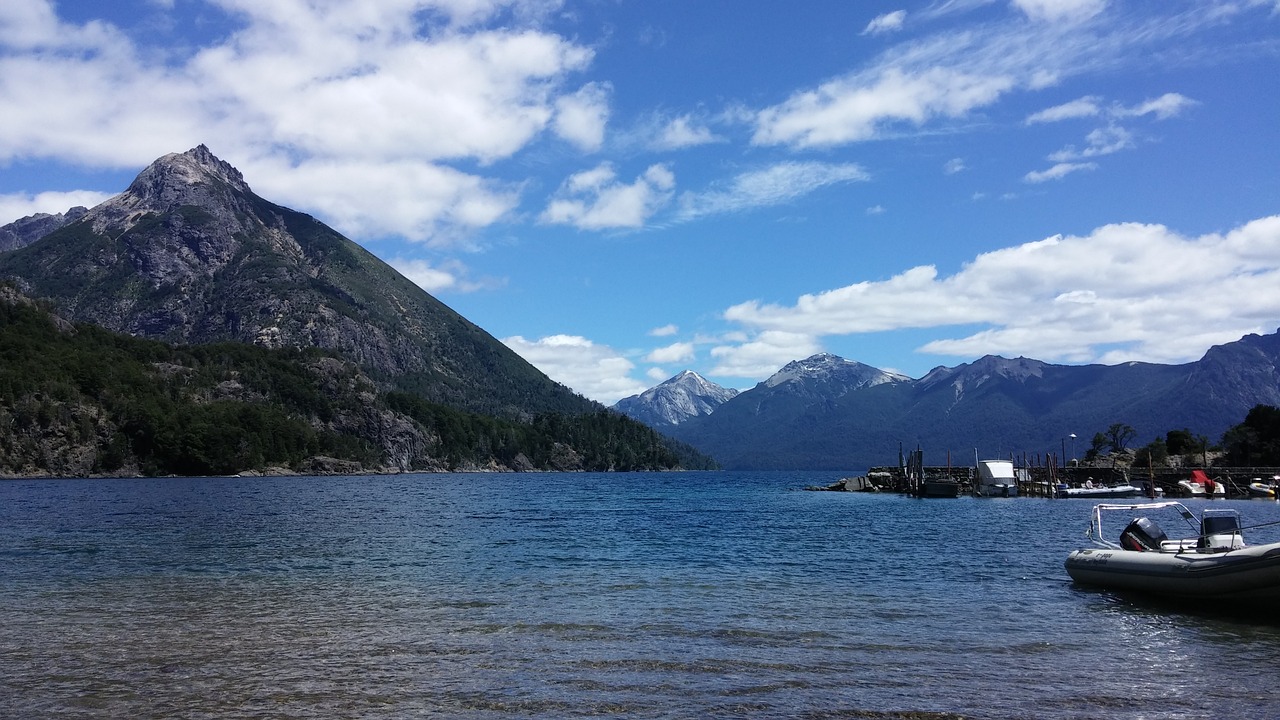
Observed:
{"x":1097,"y":534}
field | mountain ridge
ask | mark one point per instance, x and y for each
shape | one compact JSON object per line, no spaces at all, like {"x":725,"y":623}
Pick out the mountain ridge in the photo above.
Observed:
{"x":806,"y":417}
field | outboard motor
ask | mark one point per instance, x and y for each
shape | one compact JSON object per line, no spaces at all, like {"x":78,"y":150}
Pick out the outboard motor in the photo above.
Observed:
{"x":1142,"y":535}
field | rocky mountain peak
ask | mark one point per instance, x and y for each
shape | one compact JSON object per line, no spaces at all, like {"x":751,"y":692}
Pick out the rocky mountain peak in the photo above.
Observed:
{"x":984,"y":369}
{"x":828,"y":367}
{"x":680,"y":398}
{"x":24,"y":231}
{"x":194,"y":179}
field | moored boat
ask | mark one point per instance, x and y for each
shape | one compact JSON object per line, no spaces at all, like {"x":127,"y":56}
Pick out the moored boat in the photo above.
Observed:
{"x":996,"y":478}
{"x":1214,"y":562}
{"x":1100,"y":492}
{"x":1261,"y":490}
{"x":1200,"y":485}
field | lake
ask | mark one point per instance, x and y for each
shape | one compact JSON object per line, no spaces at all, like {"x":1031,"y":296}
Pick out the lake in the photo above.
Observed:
{"x":665,"y":595}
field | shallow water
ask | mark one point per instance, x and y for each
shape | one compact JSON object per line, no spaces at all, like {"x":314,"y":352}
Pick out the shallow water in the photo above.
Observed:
{"x":676,"y":595}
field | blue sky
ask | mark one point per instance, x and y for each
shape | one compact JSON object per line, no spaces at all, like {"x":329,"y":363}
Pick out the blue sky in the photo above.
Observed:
{"x":624,"y":189}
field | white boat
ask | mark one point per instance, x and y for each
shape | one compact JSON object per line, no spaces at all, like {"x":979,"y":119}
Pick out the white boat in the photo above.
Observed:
{"x":1213,"y":563}
{"x":1200,"y":485}
{"x":996,"y":478}
{"x":1102,"y":492}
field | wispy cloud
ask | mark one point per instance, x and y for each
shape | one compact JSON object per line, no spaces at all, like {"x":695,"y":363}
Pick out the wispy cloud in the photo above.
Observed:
{"x":1057,"y":11}
{"x":1057,"y":172}
{"x":889,"y":22}
{"x":950,"y":75}
{"x":773,"y":185}
{"x":1164,"y":107}
{"x":1080,"y":108}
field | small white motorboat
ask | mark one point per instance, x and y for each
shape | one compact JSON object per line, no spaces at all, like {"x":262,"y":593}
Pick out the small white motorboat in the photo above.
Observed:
{"x":1200,"y":485}
{"x":1102,"y":492}
{"x":1213,"y":563}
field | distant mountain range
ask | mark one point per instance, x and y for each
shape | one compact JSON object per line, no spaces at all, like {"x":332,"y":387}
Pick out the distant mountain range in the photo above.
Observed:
{"x":189,"y":255}
{"x":826,"y":412}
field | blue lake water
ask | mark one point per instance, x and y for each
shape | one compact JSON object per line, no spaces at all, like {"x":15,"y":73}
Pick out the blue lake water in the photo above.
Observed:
{"x":676,"y":595}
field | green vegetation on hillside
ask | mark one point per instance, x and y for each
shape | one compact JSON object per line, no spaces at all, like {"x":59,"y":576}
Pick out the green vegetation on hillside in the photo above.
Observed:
{"x":78,"y":400}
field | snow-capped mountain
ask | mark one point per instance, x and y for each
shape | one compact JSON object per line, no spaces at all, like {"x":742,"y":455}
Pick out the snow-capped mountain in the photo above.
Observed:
{"x":826,"y":370}
{"x":676,"y":400}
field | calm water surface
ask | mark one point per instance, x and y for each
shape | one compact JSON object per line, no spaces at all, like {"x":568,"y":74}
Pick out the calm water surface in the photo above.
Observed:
{"x":678,"y":595}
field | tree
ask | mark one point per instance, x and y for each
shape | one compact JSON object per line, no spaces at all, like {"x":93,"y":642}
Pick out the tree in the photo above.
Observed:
{"x":1154,"y":453}
{"x":1119,"y":435}
{"x":1180,"y":442}
{"x":1096,"y":446}
{"x":1256,"y":441}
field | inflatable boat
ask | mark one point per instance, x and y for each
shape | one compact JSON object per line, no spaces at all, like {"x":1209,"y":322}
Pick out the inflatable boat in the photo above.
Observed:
{"x":1212,"y":563}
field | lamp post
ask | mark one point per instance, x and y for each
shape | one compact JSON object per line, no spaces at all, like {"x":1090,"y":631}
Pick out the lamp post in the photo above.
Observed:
{"x":1073,"y":445}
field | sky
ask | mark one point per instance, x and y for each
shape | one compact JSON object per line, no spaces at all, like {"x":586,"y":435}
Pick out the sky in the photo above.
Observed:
{"x":620,"y":190}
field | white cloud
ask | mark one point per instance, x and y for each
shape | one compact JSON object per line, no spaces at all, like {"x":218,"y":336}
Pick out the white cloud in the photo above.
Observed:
{"x":950,"y":75}
{"x":379,"y":87}
{"x":1102,"y":141}
{"x":886,"y":23}
{"x":664,"y":331}
{"x":15,"y":206}
{"x":763,"y":354}
{"x":876,"y":210}
{"x":436,"y":277}
{"x":953,"y":166}
{"x":415,"y":199}
{"x":673,"y":353}
{"x":773,"y":185}
{"x":1057,"y":11}
{"x":595,"y":199}
{"x":1079,"y":108}
{"x":1096,"y":298}
{"x":594,"y":371}
{"x":854,"y":108}
{"x":1164,"y":107}
{"x":684,"y":132}
{"x":1057,"y":172}
{"x":581,"y":117}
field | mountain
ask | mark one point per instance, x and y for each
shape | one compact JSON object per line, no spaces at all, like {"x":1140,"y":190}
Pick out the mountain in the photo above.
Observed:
{"x":687,"y":395}
{"x":829,"y":413}
{"x":27,"y":230}
{"x":78,"y":400}
{"x":189,"y":254}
